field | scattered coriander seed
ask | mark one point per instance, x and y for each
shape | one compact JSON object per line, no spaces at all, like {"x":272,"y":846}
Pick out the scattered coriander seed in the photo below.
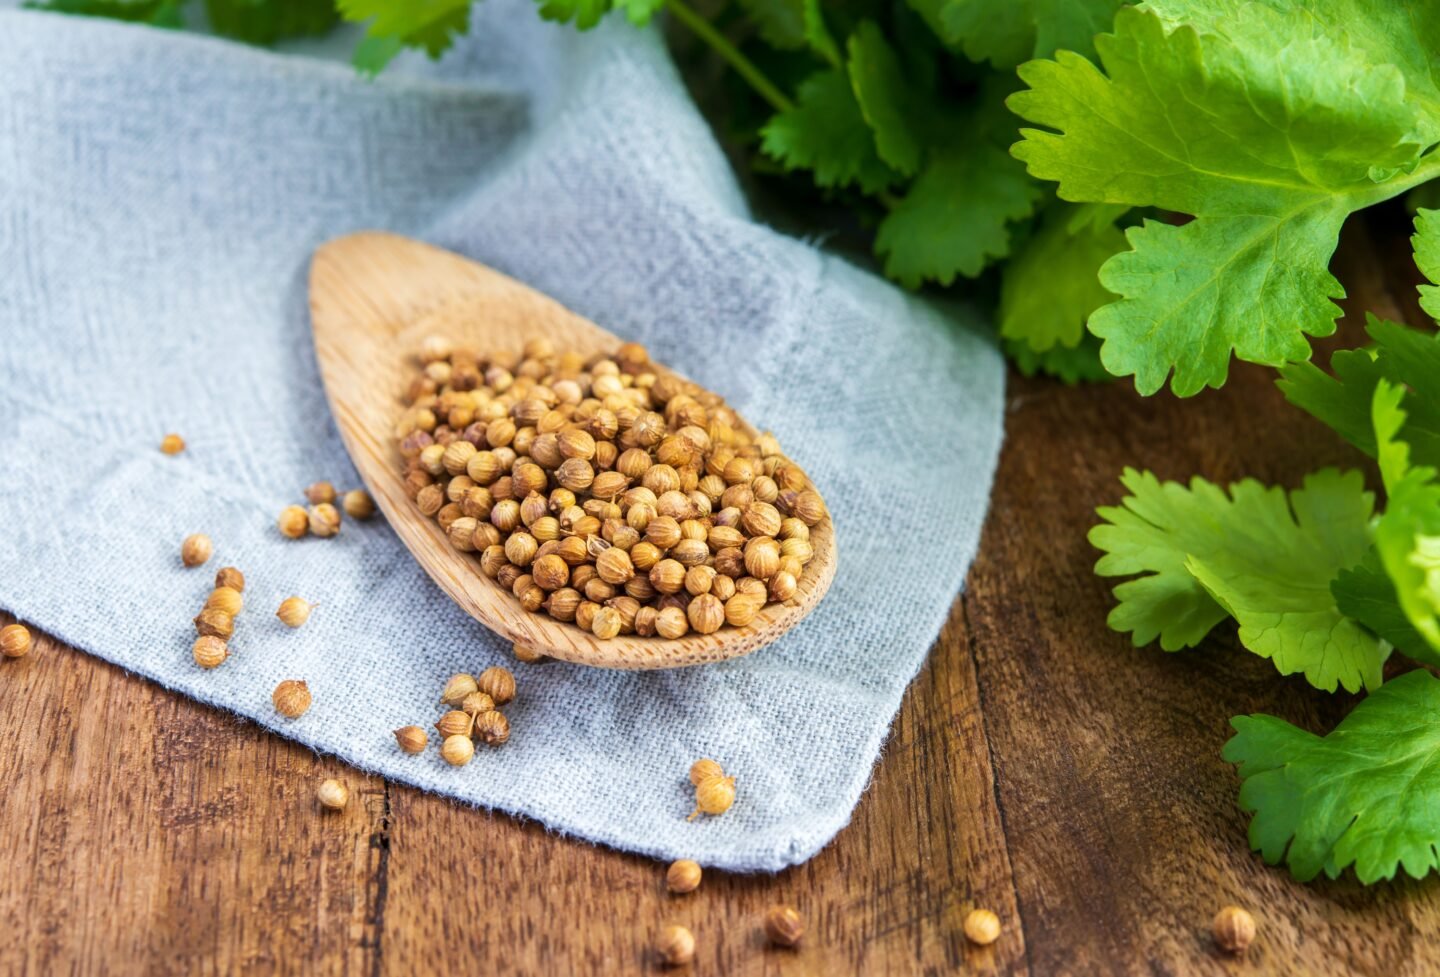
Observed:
{"x":291,"y":698}
{"x":15,"y":641}
{"x":713,"y":795}
{"x":196,"y":549}
{"x":704,"y":769}
{"x":476,"y":703}
{"x":411,"y":739}
{"x":209,"y":651}
{"x":457,"y":750}
{"x":982,"y":927}
{"x":525,"y":653}
{"x":294,"y":522}
{"x":215,"y":622}
{"x":172,"y":444}
{"x":498,"y":684}
{"x":333,"y":795}
{"x":1233,"y":929}
{"x":320,"y":492}
{"x":358,"y":504}
{"x":457,"y":688}
{"x":294,"y":611}
{"x":225,"y":599}
{"x":324,"y":519}
{"x":783,"y":926}
{"x":455,"y":723}
{"x":230,"y":577}
{"x":676,"y":946}
{"x":492,"y":727}
{"x":683,"y":876}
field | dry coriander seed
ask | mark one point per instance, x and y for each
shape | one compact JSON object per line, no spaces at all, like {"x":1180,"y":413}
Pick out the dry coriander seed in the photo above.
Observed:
{"x":455,"y":723}
{"x":172,"y":444}
{"x":294,"y":611}
{"x":411,"y":739}
{"x":196,"y":549}
{"x":15,"y":641}
{"x":528,"y":655}
{"x":225,"y":599}
{"x":215,"y":623}
{"x":704,"y":769}
{"x":358,"y":504}
{"x":457,"y":688}
{"x":675,"y":946}
{"x":606,"y":623}
{"x":333,"y":795}
{"x":320,"y":492}
{"x":457,"y":750}
{"x":492,"y":728}
{"x":230,"y":577}
{"x":714,"y":796}
{"x":1233,"y":929}
{"x":291,"y":698}
{"x":683,"y":876}
{"x":783,"y":926}
{"x":476,"y":703}
{"x":982,"y":927}
{"x":209,"y":651}
{"x":294,"y":522}
{"x":498,"y":684}
{"x":324,"y":520}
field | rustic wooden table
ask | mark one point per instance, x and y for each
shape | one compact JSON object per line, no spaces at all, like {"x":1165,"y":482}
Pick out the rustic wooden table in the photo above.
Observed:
{"x":1039,"y":766}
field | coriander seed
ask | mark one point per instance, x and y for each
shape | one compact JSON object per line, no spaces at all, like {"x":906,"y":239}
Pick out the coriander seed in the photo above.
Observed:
{"x":172,"y":444}
{"x":1233,"y":929}
{"x":704,"y":769}
{"x":291,"y":698}
{"x":476,"y":703}
{"x":215,"y":622}
{"x":783,"y":926}
{"x":15,"y":641}
{"x":683,"y":876}
{"x":498,"y":684}
{"x":714,"y":796}
{"x":457,"y":688}
{"x":230,"y":577}
{"x":196,"y":549}
{"x":209,"y":651}
{"x":358,"y":504}
{"x":457,"y":750}
{"x":294,"y":611}
{"x":606,"y":623}
{"x":706,"y":614}
{"x":676,"y":946}
{"x":225,"y":599}
{"x":333,"y":795}
{"x":525,"y":653}
{"x":982,"y":927}
{"x":294,"y":522}
{"x":455,"y":723}
{"x":324,"y":520}
{"x":320,"y":492}
{"x":672,"y":623}
{"x":492,"y":728}
{"x":411,"y":739}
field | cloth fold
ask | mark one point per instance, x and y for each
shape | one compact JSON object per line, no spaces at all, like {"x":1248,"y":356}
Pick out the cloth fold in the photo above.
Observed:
{"x":160,"y":195}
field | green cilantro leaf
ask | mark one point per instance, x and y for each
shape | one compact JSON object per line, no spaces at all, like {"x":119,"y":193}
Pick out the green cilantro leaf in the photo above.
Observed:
{"x":780,"y":23}
{"x":1365,"y":795}
{"x":1269,"y":135}
{"x":1007,"y":32}
{"x":585,"y":13}
{"x":267,"y":21}
{"x":826,"y":133}
{"x":1367,"y":594}
{"x":1408,"y":535}
{"x":887,"y":101}
{"x":1069,"y":365}
{"x":1426,"y":242}
{"x":157,"y":13}
{"x":817,"y":35}
{"x":1257,"y":555}
{"x":429,"y":24}
{"x":1049,"y":289}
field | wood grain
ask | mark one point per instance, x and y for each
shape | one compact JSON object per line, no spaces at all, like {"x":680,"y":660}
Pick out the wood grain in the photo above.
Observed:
{"x":1039,"y":766}
{"x":374,"y":298}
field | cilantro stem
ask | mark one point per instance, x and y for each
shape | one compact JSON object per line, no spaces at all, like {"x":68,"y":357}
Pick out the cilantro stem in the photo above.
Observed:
{"x":743,"y":66}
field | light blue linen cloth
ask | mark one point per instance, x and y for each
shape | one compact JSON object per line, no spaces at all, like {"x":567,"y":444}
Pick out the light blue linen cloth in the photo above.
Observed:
{"x":160,"y":195}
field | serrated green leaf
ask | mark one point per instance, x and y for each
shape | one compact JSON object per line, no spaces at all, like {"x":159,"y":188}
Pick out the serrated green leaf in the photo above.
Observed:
{"x":157,"y":13}
{"x":267,"y":21}
{"x":954,"y":219}
{"x":1365,"y":795}
{"x":1408,"y":535}
{"x":1069,"y":365}
{"x":824,"y":132}
{"x":1268,"y":134}
{"x":817,"y":34}
{"x":1261,"y":555}
{"x":1049,"y":289}
{"x":1367,"y":594}
{"x":429,"y":24}
{"x":887,"y":101}
{"x":1007,"y":32}
{"x":1426,"y":242}
{"x":585,"y":14}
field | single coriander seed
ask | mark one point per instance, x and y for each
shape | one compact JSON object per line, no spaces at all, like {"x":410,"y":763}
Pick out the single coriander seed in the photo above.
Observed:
{"x":291,"y":698}
{"x":498,"y":684}
{"x":783,"y":926}
{"x":230,"y":577}
{"x":411,"y":739}
{"x":713,"y":795}
{"x":457,"y":750}
{"x":196,"y":549}
{"x":704,"y":769}
{"x":457,"y":688}
{"x":324,"y":520}
{"x":358,"y":504}
{"x":492,"y":727}
{"x":172,"y":444}
{"x":476,"y":703}
{"x":294,"y":611}
{"x":455,"y":723}
{"x":1233,"y":929}
{"x":215,"y":622}
{"x":14,"y":641}
{"x":225,"y":599}
{"x":209,"y":651}
{"x":333,"y":795}
{"x":320,"y":492}
{"x":294,"y":522}
{"x":982,"y":927}
{"x":683,"y":876}
{"x":676,"y":946}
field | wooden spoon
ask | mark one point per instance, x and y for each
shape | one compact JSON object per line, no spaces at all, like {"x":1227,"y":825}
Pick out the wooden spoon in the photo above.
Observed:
{"x":373,"y":298}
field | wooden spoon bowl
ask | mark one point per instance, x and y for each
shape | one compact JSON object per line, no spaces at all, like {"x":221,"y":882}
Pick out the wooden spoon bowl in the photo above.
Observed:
{"x":373,"y":298}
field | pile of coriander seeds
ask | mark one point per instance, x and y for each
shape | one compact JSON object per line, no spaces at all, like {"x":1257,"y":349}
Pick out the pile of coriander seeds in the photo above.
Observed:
{"x":604,"y":491}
